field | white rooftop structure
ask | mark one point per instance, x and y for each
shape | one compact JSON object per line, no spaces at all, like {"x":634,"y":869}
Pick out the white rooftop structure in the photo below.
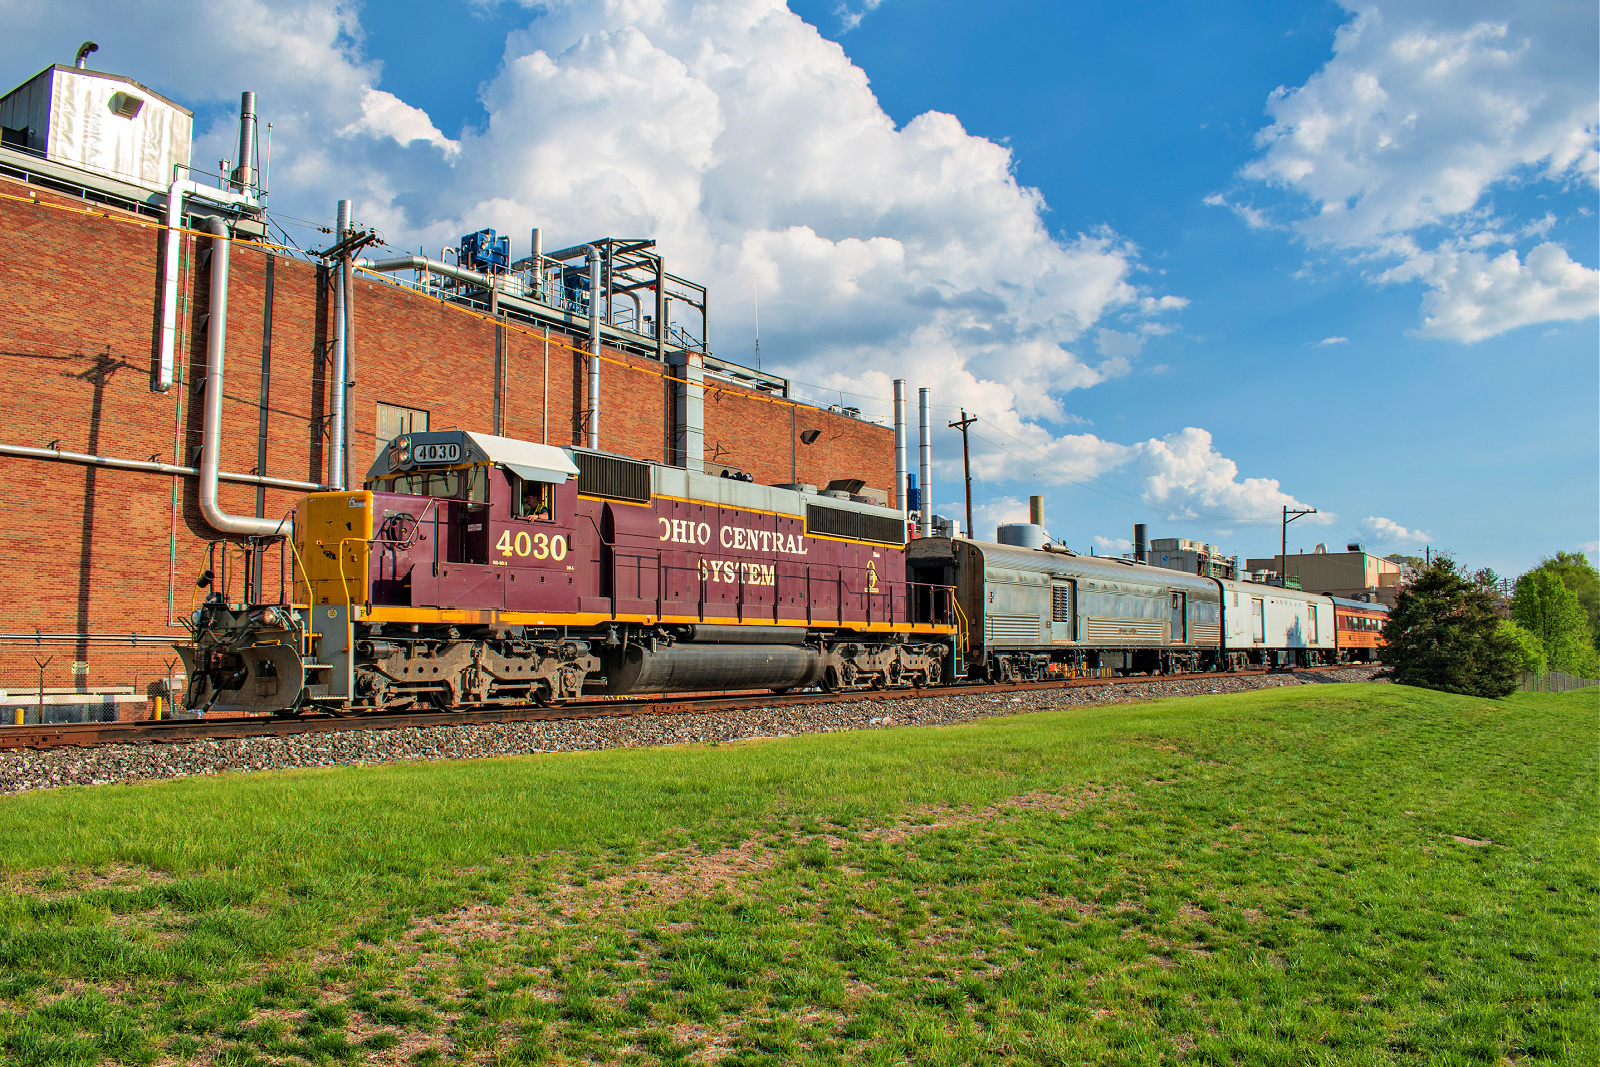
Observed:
{"x":100,"y":122}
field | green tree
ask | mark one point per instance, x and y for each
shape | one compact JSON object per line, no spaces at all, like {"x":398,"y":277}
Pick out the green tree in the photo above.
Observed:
{"x":1444,"y":634}
{"x":1580,"y":576}
{"x":1546,"y":608}
{"x":1529,"y":649}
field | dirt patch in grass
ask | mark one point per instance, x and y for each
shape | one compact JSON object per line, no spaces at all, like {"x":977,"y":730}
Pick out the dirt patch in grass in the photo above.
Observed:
{"x":54,"y":884}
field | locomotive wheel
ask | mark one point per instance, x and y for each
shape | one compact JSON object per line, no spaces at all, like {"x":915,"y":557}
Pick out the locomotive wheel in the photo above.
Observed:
{"x":830,"y":680}
{"x":545,"y":697}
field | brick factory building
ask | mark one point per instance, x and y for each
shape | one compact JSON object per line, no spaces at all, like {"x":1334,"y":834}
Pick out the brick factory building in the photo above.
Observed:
{"x":101,"y":555}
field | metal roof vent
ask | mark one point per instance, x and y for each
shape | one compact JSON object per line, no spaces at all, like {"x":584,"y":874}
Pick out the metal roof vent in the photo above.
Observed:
{"x":83,"y":53}
{"x":126,"y":104}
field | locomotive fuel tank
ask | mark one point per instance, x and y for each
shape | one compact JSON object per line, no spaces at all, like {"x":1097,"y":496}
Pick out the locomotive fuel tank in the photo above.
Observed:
{"x":691,"y":666}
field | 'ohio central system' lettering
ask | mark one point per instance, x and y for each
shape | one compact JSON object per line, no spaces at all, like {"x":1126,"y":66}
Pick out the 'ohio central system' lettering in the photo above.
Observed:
{"x":685,"y":532}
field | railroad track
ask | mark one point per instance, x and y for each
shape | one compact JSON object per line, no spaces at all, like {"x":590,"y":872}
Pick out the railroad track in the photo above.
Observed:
{"x":173,"y":731}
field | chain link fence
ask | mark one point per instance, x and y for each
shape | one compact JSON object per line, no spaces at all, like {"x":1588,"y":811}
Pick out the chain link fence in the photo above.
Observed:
{"x":1552,"y":682}
{"x":45,"y":686}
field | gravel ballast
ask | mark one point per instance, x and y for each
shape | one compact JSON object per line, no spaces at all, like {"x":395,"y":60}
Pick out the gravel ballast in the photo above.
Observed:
{"x":25,"y":770}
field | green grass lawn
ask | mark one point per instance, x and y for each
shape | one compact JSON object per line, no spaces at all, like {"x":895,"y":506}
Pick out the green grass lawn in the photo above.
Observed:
{"x":1318,"y":874}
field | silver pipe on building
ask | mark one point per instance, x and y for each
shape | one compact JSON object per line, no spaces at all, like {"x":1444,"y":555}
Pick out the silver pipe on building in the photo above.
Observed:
{"x":178,"y":192}
{"x":211,"y":427}
{"x":151,"y":466}
{"x":900,"y":471}
{"x":537,"y":259}
{"x":336,"y":392}
{"x":594,"y":345}
{"x":434,"y":266}
{"x":244,"y":174}
{"x":925,"y":456}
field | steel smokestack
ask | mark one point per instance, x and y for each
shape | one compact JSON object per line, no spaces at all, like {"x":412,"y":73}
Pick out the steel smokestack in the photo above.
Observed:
{"x":244,"y":175}
{"x":1036,"y":510}
{"x":900,"y":471}
{"x":1138,"y":543}
{"x":925,"y":462}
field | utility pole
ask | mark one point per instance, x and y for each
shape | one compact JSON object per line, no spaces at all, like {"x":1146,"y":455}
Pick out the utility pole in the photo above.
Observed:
{"x":1288,"y":517}
{"x":966,"y":462}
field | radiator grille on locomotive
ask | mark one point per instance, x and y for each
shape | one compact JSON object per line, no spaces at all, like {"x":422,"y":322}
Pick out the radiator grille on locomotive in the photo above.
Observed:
{"x":608,"y":476}
{"x":836,"y":522}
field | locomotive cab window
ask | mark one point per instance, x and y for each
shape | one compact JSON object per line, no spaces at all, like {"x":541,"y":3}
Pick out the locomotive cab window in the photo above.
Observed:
{"x":535,"y":500}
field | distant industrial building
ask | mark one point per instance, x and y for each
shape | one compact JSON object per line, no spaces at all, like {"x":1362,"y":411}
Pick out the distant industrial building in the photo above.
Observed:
{"x":1354,"y":573}
{"x":1192,"y":557}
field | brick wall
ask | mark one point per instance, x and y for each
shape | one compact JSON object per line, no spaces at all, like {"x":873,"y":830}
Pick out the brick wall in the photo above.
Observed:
{"x":99,"y":551}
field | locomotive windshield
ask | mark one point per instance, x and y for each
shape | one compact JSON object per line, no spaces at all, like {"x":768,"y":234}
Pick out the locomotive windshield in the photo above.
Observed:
{"x":468,"y":483}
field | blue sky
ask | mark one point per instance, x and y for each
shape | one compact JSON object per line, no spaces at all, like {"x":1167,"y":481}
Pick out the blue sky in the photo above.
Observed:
{"x":1187,"y":263}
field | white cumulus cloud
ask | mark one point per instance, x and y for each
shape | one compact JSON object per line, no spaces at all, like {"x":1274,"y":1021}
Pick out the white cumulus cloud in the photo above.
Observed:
{"x":1185,"y":472}
{"x":1393,"y":150}
{"x":1390,"y":532}
{"x":386,"y":115}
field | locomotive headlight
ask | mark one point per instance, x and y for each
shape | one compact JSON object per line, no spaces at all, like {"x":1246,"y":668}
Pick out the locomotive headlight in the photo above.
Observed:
{"x":195,"y":617}
{"x":402,"y":448}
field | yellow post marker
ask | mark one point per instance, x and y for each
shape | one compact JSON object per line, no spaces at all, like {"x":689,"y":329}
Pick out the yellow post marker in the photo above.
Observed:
{"x":158,"y":707}
{"x":20,"y":714}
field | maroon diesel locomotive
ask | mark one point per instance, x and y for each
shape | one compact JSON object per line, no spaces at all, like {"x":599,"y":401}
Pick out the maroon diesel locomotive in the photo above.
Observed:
{"x":474,"y":570}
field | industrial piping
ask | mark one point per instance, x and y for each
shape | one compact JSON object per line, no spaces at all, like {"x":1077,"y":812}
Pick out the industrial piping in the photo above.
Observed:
{"x":594,"y":345}
{"x":179,"y":191}
{"x":336,"y":394}
{"x":925,"y":456}
{"x":900,"y":471}
{"x":151,"y":466}
{"x":211,"y":428}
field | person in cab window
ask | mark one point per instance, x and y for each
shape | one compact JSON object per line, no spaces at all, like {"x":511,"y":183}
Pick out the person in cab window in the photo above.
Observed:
{"x":536,"y":500}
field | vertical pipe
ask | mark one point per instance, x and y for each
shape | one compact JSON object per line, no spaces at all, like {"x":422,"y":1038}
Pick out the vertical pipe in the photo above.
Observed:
{"x":900,"y":471}
{"x":266,"y":386}
{"x":1140,"y":553}
{"x":336,"y":392}
{"x":244,"y":173}
{"x":594,"y":346}
{"x":346,"y":381}
{"x":661,"y":311}
{"x":1036,"y":510}
{"x":538,"y":262}
{"x":925,"y":455}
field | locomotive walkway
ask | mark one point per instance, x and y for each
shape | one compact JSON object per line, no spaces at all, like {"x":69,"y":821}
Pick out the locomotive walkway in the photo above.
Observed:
{"x":171,"y":731}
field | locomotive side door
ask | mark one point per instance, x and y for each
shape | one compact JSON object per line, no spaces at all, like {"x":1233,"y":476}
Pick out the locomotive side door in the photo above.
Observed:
{"x":1180,"y":619}
{"x":1258,"y":619}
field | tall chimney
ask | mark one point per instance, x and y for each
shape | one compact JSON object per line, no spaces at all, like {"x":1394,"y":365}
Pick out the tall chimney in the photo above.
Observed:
{"x":900,"y":471}
{"x":538,"y":260}
{"x":925,"y":456}
{"x":1036,"y":510}
{"x":1138,"y":543}
{"x":244,"y":174}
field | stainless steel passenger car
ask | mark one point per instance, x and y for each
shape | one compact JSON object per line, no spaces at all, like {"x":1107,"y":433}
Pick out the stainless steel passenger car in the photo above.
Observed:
{"x":1031,"y":614}
{"x":1265,"y":625}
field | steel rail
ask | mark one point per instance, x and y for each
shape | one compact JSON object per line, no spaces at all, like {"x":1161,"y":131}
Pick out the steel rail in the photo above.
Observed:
{"x":171,"y":731}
